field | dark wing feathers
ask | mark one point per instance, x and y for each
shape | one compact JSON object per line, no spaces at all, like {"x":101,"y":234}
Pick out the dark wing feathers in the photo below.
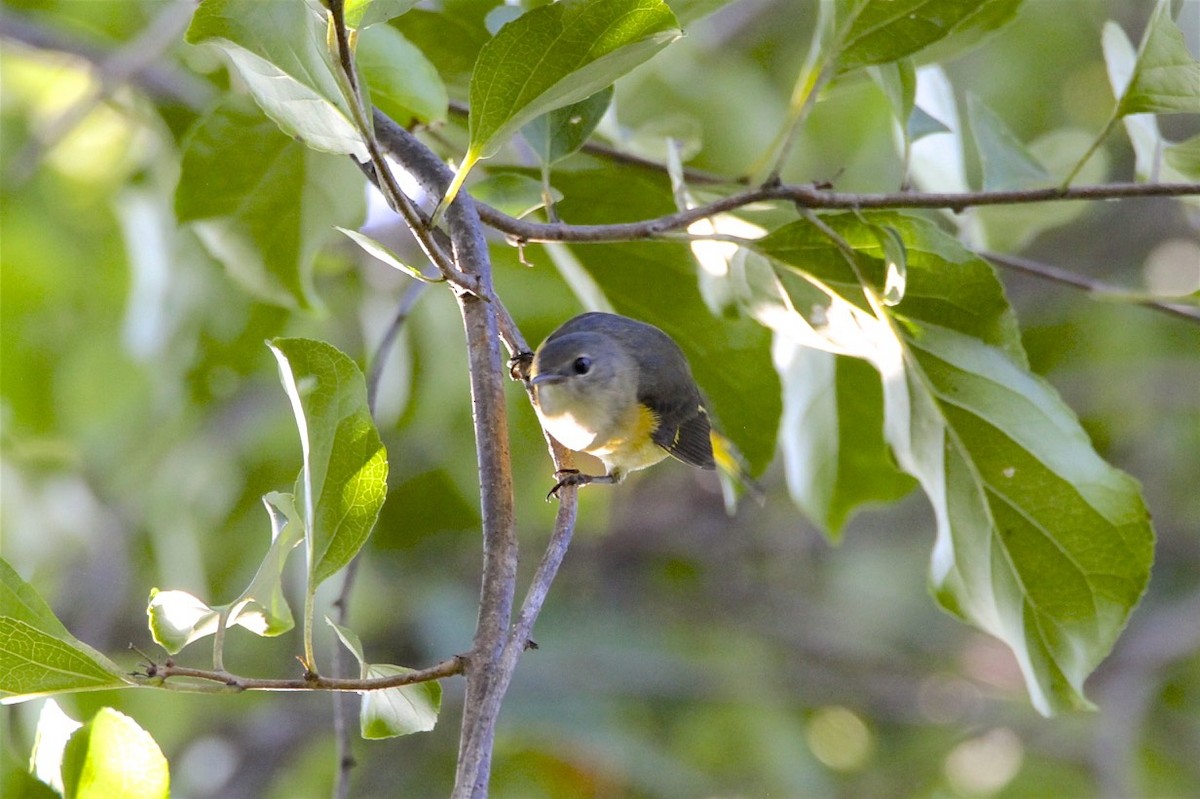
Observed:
{"x":688,"y":440}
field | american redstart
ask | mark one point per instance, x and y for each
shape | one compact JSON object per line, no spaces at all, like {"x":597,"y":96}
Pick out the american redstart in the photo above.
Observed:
{"x":621,"y":390}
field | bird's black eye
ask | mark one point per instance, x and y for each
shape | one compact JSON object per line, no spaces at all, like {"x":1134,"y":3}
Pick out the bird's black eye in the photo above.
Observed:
{"x":582,"y":365}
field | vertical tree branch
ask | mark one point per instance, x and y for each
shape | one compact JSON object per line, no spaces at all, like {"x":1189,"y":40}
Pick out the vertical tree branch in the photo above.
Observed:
{"x":486,"y":680}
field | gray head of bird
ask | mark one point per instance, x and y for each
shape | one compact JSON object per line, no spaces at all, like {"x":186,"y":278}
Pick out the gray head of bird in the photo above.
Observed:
{"x":583,"y":368}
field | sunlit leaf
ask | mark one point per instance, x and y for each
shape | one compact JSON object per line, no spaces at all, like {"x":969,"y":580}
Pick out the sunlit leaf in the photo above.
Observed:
{"x":403,"y":83}
{"x":360,"y":14}
{"x":398,"y":711}
{"x":1040,"y":542}
{"x":112,"y":757}
{"x":553,"y":56}
{"x":178,"y":618}
{"x":1006,"y":163}
{"x":37,"y":654}
{"x":54,"y":729}
{"x":262,"y":203}
{"x":281,"y":53}
{"x":378,"y":249}
{"x":391,"y":712}
{"x":343,"y":481}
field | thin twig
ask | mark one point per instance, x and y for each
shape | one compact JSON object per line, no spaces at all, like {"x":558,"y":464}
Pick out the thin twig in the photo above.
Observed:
{"x":815,"y":198}
{"x":1099,"y":288}
{"x":341,"y":703}
{"x":227,"y":681}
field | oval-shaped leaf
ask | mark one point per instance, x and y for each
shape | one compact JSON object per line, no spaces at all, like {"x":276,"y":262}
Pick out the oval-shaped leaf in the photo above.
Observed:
{"x":403,"y":83}
{"x":1039,"y":542}
{"x":280,"y":51}
{"x":343,"y":481}
{"x":553,"y":56}
{"x":1006,"y":163}
{"x":112,"y":756}
{"x":38,"y":655}
{"x":880,"y":31}
{"x":398,"y":711}
{"x":1165,"y":78}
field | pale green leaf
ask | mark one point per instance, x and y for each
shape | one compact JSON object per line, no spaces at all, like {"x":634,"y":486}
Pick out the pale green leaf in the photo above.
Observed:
{"x":280,"y":51}
{"x":563,"y":131}
{"x":398,"y":711}
{"x":514,"y":194}
{"x":1165,"y":78}
{"x":450,"y":36}
{"x":1184,"y":157}
{"x":831,"y":434}
{"x":1039,"y":541}
{"x":378,"y":249}
{"x":556,"y":55}
{"x":177,"y":618}
{"x":262,"y":203}
{"x":343,"y":481}
{"x":112,"y":757}
{"x":37,"y":654}
{"x":1006,"y":163}
{"x":54,"y":729}
{"x":898,"y":82}
{"x":360,"y":14}
{"x":391,"y":712}
{"x":403,"y":83}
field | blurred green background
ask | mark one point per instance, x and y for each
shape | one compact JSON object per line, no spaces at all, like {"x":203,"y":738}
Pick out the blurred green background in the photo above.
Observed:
{"x":682,"y":652}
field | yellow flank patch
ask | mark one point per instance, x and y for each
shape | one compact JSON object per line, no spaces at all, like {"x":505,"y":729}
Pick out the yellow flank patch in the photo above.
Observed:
{"x":633,"y":445}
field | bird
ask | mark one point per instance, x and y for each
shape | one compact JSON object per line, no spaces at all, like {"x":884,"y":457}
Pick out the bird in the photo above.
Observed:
{"x":621,"y":390}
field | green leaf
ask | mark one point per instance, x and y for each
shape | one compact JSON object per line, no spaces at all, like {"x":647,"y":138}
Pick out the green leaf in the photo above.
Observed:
{"x":54,"y":729}
{"x":1184,"y":157}
{"x":1039,"y":542}
{"x":450,"y":37}
{"x":1005,"y":161}
{"x":898,"y":82}
{"x":945,"y":283}
{"x":1164,"y":77}
{"x":178,"y":618}
{"x":361,"y":14}
{"x":834,"y":454}
{"x":563,"y":131}
{"x":264,"y":204}
{"x":398,"y":711}
{"x":403,"y":83}
{"x":37,"y":654}
{"x":881,"y":31}
{"x":111,"y":757}
{"x":554,"y":56}
{"x":381,"y":251}
{"x":281,"y":53}
{"x":391,"y":712}
{"x":730,"y":356}
{"x":514,"y":194}
{"x":343,"y":482}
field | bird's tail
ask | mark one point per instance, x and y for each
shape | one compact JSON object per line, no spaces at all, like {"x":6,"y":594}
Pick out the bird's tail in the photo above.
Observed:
{"x":734,"y":473}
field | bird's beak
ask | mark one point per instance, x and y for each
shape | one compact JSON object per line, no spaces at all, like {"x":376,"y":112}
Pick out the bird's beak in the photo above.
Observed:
{"x":547,"y":378}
